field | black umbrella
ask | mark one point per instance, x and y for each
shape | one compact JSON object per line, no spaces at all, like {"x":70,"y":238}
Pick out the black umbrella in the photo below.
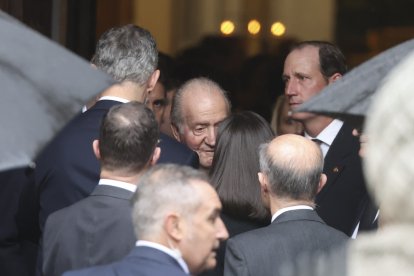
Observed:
{"x":350,"y":97}
{"x":42,"y":86}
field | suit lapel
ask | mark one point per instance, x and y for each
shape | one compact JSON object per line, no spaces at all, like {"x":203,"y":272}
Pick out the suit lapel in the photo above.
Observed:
{"x":335,"y":160}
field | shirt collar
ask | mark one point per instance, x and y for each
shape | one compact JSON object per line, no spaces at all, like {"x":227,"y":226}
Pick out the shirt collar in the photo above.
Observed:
{"x":166,"y":250}
{"x":110,"y":98}
{"x":119,"y":184}
{"x":113,"y":98}
{"x":329,"y":133}
{"x":290,"y":208}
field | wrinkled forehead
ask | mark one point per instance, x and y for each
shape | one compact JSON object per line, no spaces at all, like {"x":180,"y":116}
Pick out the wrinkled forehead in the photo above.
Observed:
{"x":196,"y":93}
{"x":204,"y":106}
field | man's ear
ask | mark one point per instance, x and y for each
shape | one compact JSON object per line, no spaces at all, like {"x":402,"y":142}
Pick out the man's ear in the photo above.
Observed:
{"x":322,"y":181}
{"x":95,"y":147}
{"x":263,"y":183}
{"x":173,"y":226}
{"x":153,"y":80}
{"x":334,"y":78}
{"x":155,"y":156}
{"x":264,"y":188}
{"x":176,"y":132}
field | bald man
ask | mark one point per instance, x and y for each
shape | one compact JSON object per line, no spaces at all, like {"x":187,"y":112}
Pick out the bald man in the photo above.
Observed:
{"x":199,"y":106}
{"x":290,"y":177}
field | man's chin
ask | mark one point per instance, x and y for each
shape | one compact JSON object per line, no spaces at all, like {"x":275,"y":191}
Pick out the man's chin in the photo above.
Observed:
{"x":301,"y":116}
{"x":211,"y":262}
{"x":206,"y":162}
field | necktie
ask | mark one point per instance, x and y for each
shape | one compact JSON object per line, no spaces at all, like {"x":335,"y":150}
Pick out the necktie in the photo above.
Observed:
{"x":317,"y":141}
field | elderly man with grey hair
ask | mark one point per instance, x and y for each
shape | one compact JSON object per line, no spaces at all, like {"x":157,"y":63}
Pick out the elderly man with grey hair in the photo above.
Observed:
{"x":198,"y":107}
{"x":177,"y":235}
{"x":290,"y":177}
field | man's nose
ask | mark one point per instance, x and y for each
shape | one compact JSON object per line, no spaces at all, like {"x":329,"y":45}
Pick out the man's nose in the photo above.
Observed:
{"x":290,"y":88}
{"x":222,"y":233}
{"x":211,"y":136}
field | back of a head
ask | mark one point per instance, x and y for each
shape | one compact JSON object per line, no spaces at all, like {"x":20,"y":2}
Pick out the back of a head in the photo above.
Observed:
{"x":162,"y":189}
{"x":236,"y":163}
{"x":388,"y":163}
{"x":128,"y":137}
{"x":293,"y":165}
{"x":127,"y":53}
{"x":331,"y":58}
{"x":196,"y":87}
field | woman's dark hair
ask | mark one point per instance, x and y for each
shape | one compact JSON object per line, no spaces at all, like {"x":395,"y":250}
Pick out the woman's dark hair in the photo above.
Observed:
{"x":236,"y":164}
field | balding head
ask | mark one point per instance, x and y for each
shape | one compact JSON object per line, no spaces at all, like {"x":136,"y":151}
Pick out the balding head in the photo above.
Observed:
{"x":198,"y":108}
{"x":128,"y":138}
{"x":194,"y":90}
{"x":293,"y":166}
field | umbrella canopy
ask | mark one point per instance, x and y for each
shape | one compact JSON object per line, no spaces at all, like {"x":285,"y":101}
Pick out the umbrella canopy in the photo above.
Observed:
{"x":42,"y":85}
{"x":350,"y":97}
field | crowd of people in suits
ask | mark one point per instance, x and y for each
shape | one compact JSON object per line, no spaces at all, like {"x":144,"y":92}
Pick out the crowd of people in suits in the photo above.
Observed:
{"x":227,"y":197}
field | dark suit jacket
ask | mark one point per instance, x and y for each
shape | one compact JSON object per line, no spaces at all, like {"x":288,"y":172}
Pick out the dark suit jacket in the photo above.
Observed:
{"x":142,"y":261}
{"x":18,"y":243}
{"x":344,"y":198}
{"x":265,"y":250}
{"x":67,"y":169}
{"x":96,"y":230}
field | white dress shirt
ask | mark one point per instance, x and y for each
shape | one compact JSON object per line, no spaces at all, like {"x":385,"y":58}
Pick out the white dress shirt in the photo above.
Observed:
{"x":119,"y":184}
{"x":327,"y":136}
{"x":290,"y":208}
{"x":109,"y":98}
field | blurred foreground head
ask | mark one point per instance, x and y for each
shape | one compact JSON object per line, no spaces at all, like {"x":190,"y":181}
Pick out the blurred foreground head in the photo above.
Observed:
{"x":176,"y":206}
{"x":389,"y":165}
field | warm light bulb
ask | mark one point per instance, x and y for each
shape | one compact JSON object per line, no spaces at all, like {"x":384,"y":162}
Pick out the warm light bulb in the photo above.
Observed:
{"x":253,"y":27}
{"x":278,"y":29}
{"x":227,"y":27}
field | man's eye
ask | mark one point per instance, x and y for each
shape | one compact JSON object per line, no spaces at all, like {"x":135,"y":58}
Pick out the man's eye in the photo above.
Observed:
{"x":199,"y":130}
{"x":213,"y":218}
{"x":159,"y":103}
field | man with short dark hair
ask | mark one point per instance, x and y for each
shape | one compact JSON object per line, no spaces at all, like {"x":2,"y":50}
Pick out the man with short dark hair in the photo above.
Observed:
{"x":290,"y":177}
{"x":98,"y":229}
{"x":177,"y":235}
{"x":199,"y":106}
{"x":309,"y":67}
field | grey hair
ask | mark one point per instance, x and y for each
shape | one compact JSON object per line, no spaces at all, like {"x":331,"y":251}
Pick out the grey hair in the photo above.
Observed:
{"x":161,"y":189}
{"x":177,"y":118}
{"x":127,"y":53}
{"x":287,"y":179}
